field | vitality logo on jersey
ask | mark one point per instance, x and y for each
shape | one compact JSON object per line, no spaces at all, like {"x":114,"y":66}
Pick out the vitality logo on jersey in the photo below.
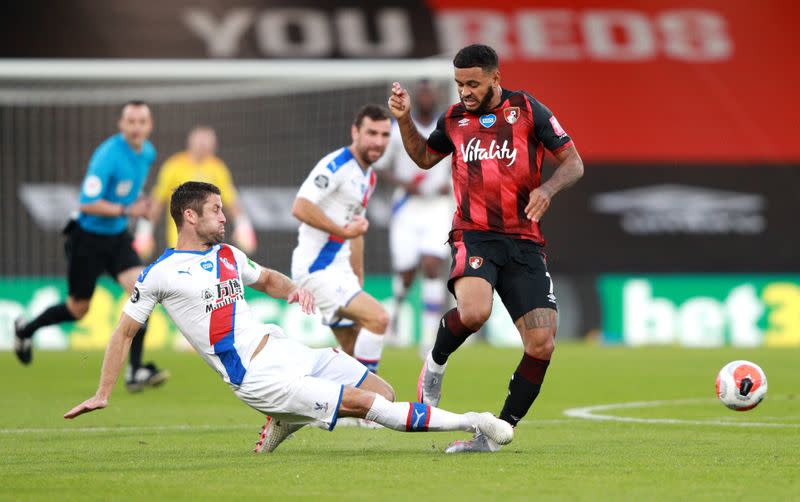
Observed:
{"x":225,"y":293}
{"x":474,"y":151}
{"x":488,"y":120}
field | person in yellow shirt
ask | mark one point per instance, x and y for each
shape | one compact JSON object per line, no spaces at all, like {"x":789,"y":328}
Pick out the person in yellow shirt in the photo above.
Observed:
{"x":197,"y":163}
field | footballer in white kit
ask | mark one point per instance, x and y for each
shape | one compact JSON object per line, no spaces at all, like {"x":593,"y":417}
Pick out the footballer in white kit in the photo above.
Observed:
{"x":203,"y":294}
{"x":200,"y":284}
{"x":321,"y":261}
{"x":329,"y":259}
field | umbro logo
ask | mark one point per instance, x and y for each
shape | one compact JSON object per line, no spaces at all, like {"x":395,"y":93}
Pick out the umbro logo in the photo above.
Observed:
{"x":463,"y":122}
{"x":321,"y":407}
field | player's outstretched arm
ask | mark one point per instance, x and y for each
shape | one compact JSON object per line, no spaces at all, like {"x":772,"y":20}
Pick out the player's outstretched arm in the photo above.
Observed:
{"x":277,"y":285}
{"x":569,"y":171}
{"x":416,"y":146}
{"x":116,"y":351}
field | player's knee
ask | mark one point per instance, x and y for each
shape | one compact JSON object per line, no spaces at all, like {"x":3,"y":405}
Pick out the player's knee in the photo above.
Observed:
{"x":379,"y":323}
{"x":541,"y":349}
{"x":475,"y":317}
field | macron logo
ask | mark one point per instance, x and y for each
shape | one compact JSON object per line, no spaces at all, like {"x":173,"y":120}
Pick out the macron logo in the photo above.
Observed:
{"x":474,"y":151}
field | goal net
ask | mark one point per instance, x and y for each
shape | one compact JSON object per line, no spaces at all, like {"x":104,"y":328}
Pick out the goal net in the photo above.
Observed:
{"x":274,"y":121}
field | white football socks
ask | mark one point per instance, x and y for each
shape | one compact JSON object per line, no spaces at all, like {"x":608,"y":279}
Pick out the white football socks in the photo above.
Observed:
{"x":418,"y":417}
{"x":368,"y":349}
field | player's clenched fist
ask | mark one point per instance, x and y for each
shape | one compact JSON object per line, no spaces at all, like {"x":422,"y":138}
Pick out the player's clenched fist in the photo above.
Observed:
{"x":358,"y":226}
{"x":399,"y":101}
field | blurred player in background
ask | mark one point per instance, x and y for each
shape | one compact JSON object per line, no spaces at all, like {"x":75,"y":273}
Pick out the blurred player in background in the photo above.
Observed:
{"x":99,"y":241}
{"x":421,"y":213}
{"x":329,"y":257}
{"x":197,"y":163}
{"x":201,"y":285}
{"x":497,"y":138}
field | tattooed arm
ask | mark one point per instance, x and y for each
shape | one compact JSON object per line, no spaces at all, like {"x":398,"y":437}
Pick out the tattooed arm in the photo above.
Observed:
{"x":414,"y":143}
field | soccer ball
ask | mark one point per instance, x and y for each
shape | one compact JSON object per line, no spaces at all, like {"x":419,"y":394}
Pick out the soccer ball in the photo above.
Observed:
{"x":741,"y":385}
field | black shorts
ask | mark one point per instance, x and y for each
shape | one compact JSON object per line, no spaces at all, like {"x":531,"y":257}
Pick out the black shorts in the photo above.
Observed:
{"x":516,"y":268}
{"x":90,"y":254}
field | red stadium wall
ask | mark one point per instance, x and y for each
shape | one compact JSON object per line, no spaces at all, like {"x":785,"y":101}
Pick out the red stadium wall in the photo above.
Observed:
{"x":649,"y":81}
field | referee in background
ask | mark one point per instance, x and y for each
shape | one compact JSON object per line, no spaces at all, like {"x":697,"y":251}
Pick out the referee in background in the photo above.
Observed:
{"x":98,"y":240}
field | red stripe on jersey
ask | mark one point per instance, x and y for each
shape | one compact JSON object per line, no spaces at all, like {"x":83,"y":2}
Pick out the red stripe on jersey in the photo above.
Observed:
{"x":222,"y":318}
{"x":495,"y":168}
{"x":503,"y":211}
{"x":373,"y":180}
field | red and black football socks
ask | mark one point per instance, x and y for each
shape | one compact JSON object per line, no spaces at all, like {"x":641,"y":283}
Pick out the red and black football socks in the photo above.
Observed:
{"x":452,"y":333}
{"x":53,"y":315}
{"x":523,"y":388}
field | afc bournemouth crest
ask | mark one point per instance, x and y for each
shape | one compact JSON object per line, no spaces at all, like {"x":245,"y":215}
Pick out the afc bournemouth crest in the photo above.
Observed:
{"x":511,"y":114}
{"x":475,"y":262}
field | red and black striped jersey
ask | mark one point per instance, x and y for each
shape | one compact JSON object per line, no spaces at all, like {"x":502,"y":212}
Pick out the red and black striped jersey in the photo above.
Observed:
{"x":497,"y":161}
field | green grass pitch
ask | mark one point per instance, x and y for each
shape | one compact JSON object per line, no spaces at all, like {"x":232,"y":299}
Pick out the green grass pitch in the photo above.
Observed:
{"x":192,"y":439}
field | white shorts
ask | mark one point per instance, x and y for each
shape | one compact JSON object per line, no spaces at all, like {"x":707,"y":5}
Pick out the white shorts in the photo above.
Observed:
{"x":420,"y":227}
{"x":298,"y":384}
{"x":333,"y":288}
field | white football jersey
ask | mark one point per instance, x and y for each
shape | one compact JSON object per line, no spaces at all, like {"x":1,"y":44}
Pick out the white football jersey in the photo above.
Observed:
{"x":203,"y":294}
{"x":341,"y":189}
{"x":430,"y":181}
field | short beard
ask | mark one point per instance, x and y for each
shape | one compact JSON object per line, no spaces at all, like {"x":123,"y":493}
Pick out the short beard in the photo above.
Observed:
{"x":483,"y":105}
{"x":214,"y":239}
{"x":365,"y":155}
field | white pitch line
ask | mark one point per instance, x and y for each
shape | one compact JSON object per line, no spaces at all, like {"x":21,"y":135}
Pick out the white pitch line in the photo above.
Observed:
{"x":589,"y":413}
{"x":142,"y":428}
{"x":184,"y":427}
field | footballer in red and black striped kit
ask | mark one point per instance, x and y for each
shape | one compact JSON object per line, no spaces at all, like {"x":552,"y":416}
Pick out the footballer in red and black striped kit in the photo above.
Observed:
{"x":497,"y":138}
